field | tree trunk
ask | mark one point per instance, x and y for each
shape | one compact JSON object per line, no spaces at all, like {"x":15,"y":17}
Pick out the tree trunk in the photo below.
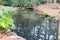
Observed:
{"x":48,"y":1}
{"x":55,"y":4}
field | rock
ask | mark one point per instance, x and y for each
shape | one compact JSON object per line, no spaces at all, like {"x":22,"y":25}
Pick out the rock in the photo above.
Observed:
{"x":10,"y":36}
{"x":16,"y":38}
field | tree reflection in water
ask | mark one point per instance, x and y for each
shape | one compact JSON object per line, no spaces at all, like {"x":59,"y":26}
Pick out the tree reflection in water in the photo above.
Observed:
{"x":33,"y":26}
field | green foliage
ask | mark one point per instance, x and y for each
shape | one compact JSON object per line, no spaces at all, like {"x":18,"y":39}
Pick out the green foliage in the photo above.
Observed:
{"x":28,"y":3}
{"x":58,"y":1}
{"x":46,"y":14}
{"x":6,"y":2}
{"x":15,"y":3}
{"x":5,"y":19}
{"x":41,"y":2}
{"x":23,"y":3}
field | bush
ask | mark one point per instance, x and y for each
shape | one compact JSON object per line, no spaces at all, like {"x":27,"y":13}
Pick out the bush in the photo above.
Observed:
{"x":58,"y":1}
{"x":29,"y":3}
{"x":22,"y":3}
{"x":42,"y":1}
{"x":5,"y":20}
{"x":6,"y":2}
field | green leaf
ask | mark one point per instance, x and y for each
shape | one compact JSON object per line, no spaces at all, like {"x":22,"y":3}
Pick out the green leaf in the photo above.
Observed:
{"x":5,"y":19}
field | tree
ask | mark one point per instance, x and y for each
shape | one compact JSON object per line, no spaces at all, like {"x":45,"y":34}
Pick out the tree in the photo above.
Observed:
{"x":55,"y":4}
{"x":48,"y":1}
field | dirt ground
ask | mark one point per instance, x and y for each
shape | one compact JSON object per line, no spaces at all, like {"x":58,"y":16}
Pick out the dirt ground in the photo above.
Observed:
{"x":10,"y":36}
{"x":49,"y":8}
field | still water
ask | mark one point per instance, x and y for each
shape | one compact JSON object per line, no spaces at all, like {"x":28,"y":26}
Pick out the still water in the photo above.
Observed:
{"x":33,"y":26}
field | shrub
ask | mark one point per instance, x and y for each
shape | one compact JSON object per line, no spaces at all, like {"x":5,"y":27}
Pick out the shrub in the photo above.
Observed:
{"x":6,"y":2}
{"x":29,"y":3}
{"x":47,"y":14}
{"x":5,"y":20}
{"x":42,"y":1}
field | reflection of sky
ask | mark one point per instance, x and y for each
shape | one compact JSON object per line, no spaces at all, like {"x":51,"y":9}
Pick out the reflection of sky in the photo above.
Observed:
{"x":42,"y":30}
